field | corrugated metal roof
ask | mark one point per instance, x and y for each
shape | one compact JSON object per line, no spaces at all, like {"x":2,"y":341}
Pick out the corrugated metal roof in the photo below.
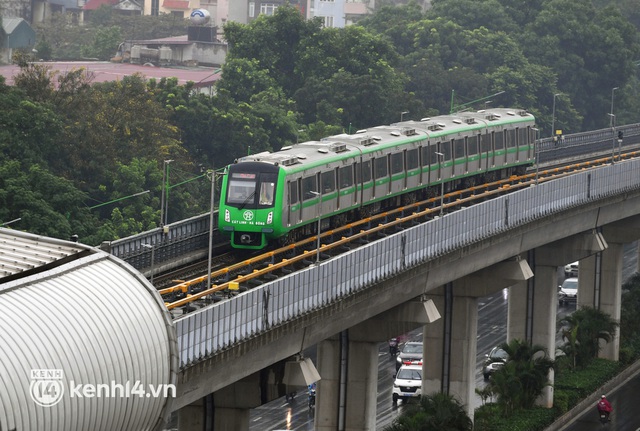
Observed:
{"x":92,"y":319}
{"x":10,"y":24}
{"x":21,"y":252}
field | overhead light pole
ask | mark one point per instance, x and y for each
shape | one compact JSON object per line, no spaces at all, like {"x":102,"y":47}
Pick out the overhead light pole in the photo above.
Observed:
{"x":402,"y":114}
{"x":319,"y":218}
{"x":612,"y":124}
{"x":537,"y":152}
{"x":153,"y":259}
{"x":441,"y":160}
{"x":10,"y":221}
{"x":553,"y":115}
{"x":164,"y":199}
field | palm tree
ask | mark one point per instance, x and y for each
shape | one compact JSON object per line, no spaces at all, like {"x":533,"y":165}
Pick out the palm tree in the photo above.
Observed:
{"x":521,"y":381}
{"x":584,"y":329}
{"x":435,"y":412}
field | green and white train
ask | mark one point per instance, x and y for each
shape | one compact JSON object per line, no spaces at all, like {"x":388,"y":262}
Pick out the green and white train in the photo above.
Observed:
{"x":279,"y":196}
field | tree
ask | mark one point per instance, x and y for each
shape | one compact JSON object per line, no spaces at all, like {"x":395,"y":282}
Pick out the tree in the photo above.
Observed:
{"x":435,"y":412}
{"x":583,"y":330}
{"x":521,"y":381}
{"x":629,"y":316}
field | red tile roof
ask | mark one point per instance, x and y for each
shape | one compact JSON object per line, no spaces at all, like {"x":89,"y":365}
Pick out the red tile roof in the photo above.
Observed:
{"x":95,"y":4}
{"x":176,"y":4}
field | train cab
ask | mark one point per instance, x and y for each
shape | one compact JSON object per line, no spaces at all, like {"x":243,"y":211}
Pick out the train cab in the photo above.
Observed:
{"x":247,"y":203}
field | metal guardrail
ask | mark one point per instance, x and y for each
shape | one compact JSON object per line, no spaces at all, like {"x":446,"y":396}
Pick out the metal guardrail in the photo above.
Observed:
{"x":214,"y":328}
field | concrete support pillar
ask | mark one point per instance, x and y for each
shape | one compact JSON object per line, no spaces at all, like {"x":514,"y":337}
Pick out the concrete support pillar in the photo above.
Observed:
{"x":225,"y":410}
{"x":545,"y":309}
{"x":328,"y":388}
{"x":452,"y":370}
{"x":192,"y":417}
{"x":517,"y":311}
{"x":347,"y":393}
{"x":611,"y":295}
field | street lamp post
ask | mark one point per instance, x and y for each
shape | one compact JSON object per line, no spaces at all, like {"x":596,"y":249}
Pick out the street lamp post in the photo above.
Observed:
{"x":612,"y":124}
{"x":153,"y":259}
{"x":441,"y":160}
{"x":553,"y":115}
{"x":402,"y":115}
{"x":537,"y":144}
{"x":164,"y":199}
{"x":10,"y":221}
{"x":613,"y":137}
{"x":214,"y":176}
{"x":319,"y":218}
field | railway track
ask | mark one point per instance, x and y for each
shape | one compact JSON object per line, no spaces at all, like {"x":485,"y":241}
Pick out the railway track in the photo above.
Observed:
{"x":228,"y":280}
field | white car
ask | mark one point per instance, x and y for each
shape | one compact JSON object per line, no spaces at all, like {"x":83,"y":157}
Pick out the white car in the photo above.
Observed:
{"x":571,"y":269}
{"x":408,"y":383}
{"x":568,"y":291}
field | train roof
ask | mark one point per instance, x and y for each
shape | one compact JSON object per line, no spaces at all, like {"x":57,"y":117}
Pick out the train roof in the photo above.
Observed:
{"x":312,"y":153}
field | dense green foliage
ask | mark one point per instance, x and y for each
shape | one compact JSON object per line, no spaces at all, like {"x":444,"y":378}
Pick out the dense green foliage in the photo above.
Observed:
{"x":288,"y":79}
{"x":435,"y":412}
{"x":582,"y":332}
{"x":521,"y":381}
{"x":570,"y":387}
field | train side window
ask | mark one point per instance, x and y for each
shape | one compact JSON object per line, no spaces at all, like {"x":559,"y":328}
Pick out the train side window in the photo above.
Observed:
{"x":445,"y":148}
{"x":293,"y":192}
{"x":472,"y":145}
{"x":429,"y":156}
{"x":366,"y":172}
{"x":308,"y":186}
{"x":381,"y":167}
{"x":345,"y":177}
{"x":397,"y":164}
{"x":522,"y":136}
{"x":328,"y":182}
{"x":498,"y":140}
{"x":412,"y":159}
{"x":458,"y":147}
{"x":486,"y":142}
{"x":511,"y":138}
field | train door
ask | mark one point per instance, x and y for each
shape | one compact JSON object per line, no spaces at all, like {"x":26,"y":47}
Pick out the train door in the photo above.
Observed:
{"x":293,"y":208}
{"x":487,"y":151}
{"x":381,"y":176}
{"x":364,"y":180}
{"x":511,"y":145}
{"x":412,"y":162}
{"x":329,"y":201}
{"x":397,"y":178}
{"x":309,"y":197}
{"x":347,"y":196}
{"x":473,"y":160}
{"x":446,"y":170}
{"x":499,"y":148}
{"x":459,"y":155}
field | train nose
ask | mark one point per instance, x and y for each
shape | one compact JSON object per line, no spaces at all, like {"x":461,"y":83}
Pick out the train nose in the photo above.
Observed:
{"x":245,"y":239}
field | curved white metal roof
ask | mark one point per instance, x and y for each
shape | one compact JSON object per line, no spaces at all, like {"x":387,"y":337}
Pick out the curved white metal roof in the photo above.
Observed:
{"x":85,"y":340}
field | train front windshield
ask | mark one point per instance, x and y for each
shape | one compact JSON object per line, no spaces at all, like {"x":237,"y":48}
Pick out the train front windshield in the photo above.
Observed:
{"x":251,"y":190}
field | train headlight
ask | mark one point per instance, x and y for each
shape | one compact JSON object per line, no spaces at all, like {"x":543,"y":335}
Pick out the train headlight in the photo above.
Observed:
{"x":270,"y":217}
{"x":227,"y":216}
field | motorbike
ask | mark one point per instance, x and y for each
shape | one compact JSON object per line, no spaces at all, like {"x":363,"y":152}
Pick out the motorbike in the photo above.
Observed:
{"x":604,"y":417}
{"x":393,"y":347}
{"x":312,"y":397}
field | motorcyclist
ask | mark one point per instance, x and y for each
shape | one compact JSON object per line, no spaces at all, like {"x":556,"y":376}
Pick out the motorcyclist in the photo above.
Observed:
{"x":604,"y":407}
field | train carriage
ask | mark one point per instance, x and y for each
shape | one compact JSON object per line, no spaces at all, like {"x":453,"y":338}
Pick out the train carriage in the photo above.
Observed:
{"x":279,"y":196}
